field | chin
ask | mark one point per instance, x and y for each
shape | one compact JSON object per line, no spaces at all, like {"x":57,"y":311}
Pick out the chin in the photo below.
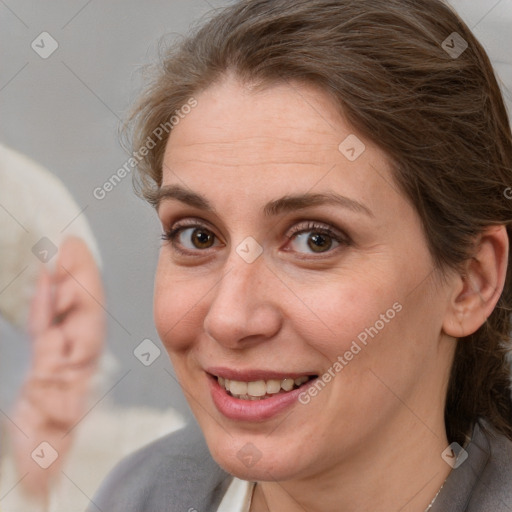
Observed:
{"x":248,"y":459}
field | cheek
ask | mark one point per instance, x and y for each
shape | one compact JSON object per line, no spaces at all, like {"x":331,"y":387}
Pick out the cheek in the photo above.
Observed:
{"x":368,"y":330}
{"x":389,"y":351}
{"x":348,"y":309}
{"x":177,"y":308}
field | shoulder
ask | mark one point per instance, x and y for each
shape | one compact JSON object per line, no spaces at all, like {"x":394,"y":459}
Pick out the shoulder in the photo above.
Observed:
{"x":174,"y":473}
{"x":493,"y":490}
{"x":483,"y":480}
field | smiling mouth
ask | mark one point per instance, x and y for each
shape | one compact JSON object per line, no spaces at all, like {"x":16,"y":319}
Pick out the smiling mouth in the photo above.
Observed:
{"x":262,"y":389}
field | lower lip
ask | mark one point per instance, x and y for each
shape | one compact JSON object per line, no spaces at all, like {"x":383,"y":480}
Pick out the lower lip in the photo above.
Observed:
{"x":252,"y":410}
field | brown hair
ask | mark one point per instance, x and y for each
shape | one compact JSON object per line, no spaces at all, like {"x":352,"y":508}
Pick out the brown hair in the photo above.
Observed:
{"x":440,"y":117}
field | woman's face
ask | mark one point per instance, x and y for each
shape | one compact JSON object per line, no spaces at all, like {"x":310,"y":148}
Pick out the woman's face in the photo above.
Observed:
{"x":293,"y":255}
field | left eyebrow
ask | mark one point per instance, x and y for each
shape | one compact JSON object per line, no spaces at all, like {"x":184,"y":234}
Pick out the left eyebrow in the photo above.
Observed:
{"x":299,"y":202}
{"x":284,"y":204}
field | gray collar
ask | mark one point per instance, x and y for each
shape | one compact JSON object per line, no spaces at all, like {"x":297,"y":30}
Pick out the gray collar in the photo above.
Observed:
{"x":458,"y":490}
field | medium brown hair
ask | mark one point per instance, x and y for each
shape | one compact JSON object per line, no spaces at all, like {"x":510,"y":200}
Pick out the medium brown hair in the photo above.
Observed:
{"x":440,"y":118}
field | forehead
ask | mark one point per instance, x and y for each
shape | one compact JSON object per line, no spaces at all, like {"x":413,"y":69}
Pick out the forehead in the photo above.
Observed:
{"x":267,"y":123}
{"x":287,"y":136}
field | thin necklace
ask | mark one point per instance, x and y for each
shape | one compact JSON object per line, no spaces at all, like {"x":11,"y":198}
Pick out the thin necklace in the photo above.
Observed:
{"x":435,"y":497}
{"x":268,"y":509}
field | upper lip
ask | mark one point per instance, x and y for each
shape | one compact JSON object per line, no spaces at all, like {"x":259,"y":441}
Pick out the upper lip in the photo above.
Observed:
{"x":251,"y":375}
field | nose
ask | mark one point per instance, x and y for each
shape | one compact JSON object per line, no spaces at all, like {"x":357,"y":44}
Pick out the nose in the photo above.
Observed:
{"x":243,"y":306}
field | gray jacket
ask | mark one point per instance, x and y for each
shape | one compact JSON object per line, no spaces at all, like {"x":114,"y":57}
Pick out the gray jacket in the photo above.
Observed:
{"x":177,"y":474}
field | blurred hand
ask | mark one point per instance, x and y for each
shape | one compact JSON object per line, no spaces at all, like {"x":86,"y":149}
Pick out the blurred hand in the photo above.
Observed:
{"x":67,"y":327}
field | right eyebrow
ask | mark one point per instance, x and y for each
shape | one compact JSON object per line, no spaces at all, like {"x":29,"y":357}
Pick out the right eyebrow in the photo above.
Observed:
{"x":183,"y":195}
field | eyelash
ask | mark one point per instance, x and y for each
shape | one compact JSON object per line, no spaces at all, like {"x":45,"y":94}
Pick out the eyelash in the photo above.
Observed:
{"x":173,"y":233}
{"x":322,"y":229}
{"x":304,"y":227}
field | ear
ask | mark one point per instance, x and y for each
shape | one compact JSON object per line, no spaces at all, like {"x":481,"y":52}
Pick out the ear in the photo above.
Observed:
{"x":478,"y":288}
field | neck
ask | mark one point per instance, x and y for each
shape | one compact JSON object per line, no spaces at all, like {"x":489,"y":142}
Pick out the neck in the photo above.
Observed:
{"x":402,"y":470}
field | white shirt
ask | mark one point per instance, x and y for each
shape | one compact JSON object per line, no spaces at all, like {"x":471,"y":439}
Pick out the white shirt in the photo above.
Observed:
{"x":238,"y":497}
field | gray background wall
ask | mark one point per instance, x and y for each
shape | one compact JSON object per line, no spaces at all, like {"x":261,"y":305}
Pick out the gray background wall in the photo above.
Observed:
{"x":64,"y":111}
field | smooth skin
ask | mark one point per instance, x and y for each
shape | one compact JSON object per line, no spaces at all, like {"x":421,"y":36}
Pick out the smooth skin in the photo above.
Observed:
{"x":373,"y":438}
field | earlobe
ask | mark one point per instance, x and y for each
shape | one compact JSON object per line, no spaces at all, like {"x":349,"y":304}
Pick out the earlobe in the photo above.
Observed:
{"x":478,"y":288}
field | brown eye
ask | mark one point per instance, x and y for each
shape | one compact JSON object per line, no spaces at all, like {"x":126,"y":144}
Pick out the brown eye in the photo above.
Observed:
{"x":313,"y":241}
{"x":319,"y":242}
{"x":201,"y":238}
{"x":191,"y":238}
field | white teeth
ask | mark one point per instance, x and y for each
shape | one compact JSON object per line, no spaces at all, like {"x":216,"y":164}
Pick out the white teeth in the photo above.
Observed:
{"x":273,"y":386}
{"x":238,"y":387}
{"x":287,"y":384}
{"x":256,"y":390}
{"x":301,"y":380}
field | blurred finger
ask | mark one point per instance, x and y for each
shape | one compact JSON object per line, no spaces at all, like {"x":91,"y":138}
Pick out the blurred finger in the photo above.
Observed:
{"x":42,"y":308}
